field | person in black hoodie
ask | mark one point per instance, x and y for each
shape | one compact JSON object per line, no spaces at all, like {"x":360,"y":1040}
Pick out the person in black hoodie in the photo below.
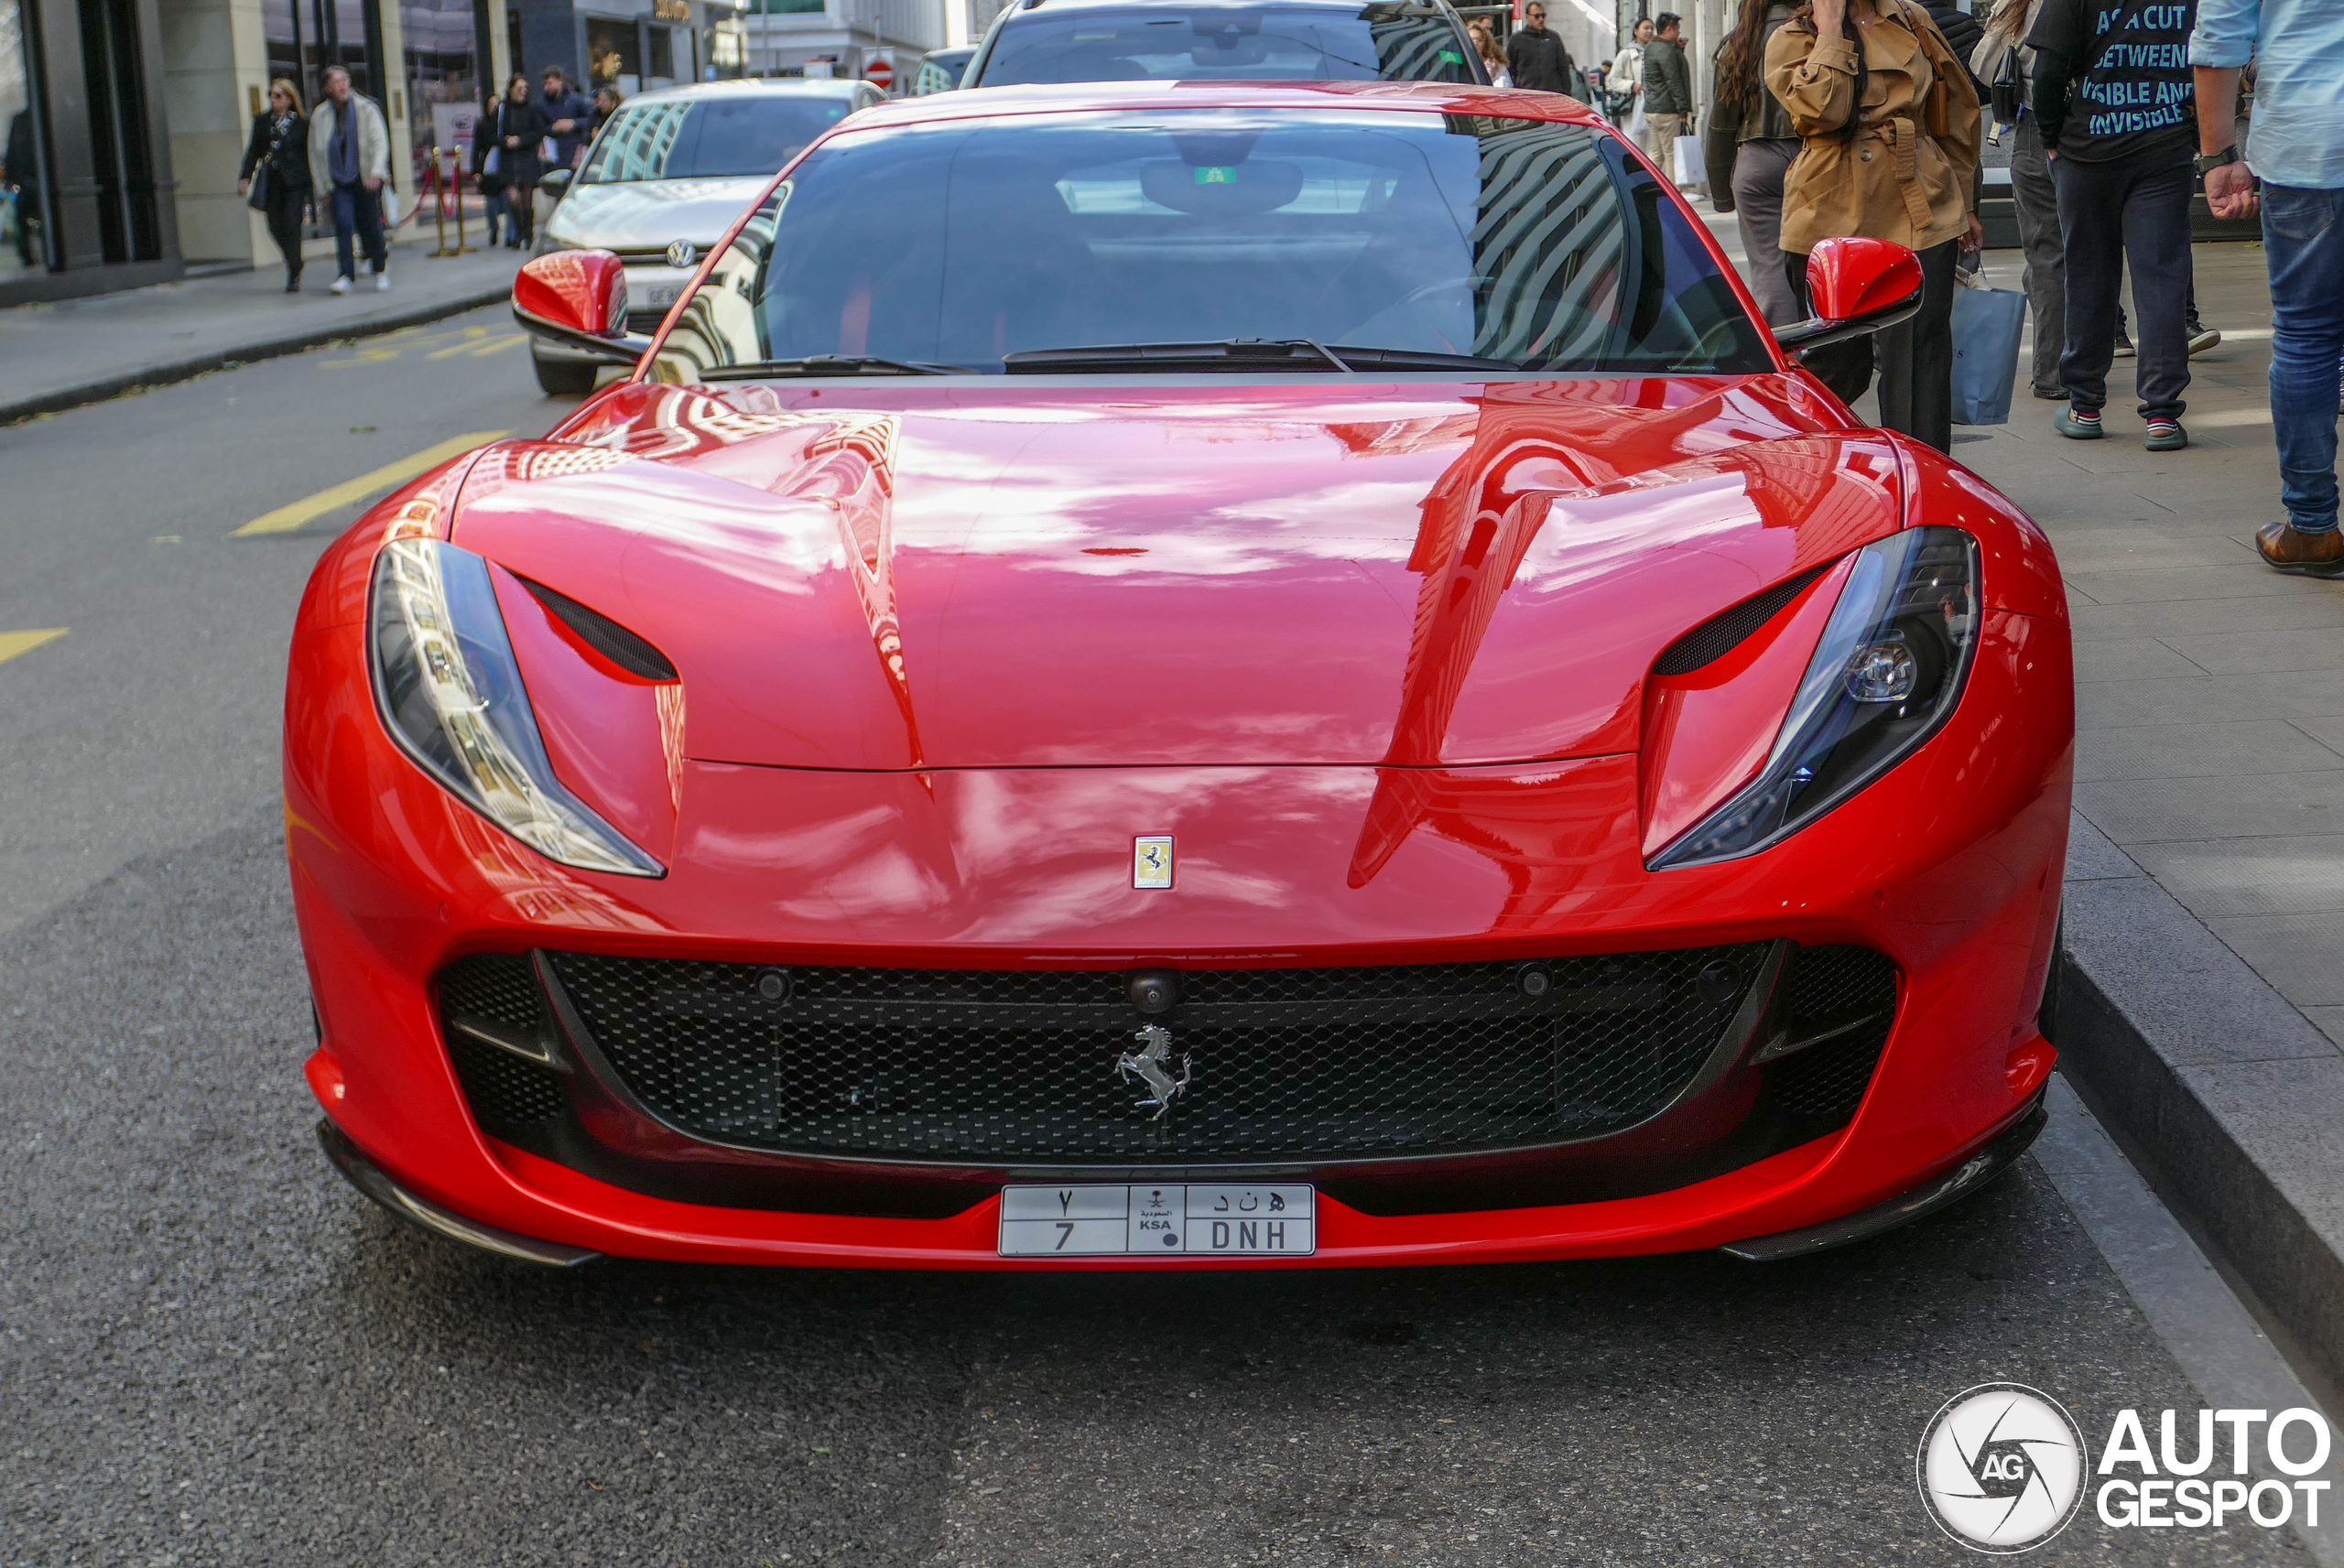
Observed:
{"x":1537,"y":60}
{"x":279,"y":155}
{"x":514,"y":135}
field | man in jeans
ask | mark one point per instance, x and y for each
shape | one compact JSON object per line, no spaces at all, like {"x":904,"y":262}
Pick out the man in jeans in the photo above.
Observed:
{"x":1669,"y":91}
{"x":2112,"y":98}
{"x":349,"y":160}
{"x":2298,"y":149}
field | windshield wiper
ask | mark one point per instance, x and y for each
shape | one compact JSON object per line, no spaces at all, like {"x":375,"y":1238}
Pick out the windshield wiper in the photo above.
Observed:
{"x":830,"y":364}
{"x":1240,"y":354}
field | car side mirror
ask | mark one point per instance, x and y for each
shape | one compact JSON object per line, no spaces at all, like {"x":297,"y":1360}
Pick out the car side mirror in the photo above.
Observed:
{"x":1855,"y":285}
{"x":577,"y":300}
{"x":554,"y":181}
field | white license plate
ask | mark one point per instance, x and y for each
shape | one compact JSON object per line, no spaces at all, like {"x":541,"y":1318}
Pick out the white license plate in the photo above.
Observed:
{"x":1152,"y":1221}
{"x":659,"y":296}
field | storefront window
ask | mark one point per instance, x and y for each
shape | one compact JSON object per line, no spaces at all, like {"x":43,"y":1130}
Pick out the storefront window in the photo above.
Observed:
{"x":307,"y":36}
{"x":613,"y":54}
{"x":24,"y":231}
{"x":443,"y":78}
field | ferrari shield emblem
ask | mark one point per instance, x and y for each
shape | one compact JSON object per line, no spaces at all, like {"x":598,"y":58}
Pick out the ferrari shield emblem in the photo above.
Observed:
{"x":1152,"y":862}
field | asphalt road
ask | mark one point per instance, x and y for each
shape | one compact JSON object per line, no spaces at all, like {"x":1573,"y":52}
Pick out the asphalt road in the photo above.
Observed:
{"x":212,"y":1351}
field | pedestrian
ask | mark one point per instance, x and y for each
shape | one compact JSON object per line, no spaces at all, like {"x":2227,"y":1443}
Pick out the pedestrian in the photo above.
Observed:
{"x":16,"y":180}
{"x":1889,"y":131}
{"x":606,"y":103}
{"x":1625,"y":83}
{"x":2297,"y":152}
{"x":568,"y":114}
{"x":1669,"y":91}
{"x":2113,"y":92}
{"x":1484,"y":34}
{"x":1748,"y":145}
{"x":349,"y":159}
{"x":486,"y":167}
{"x":2033,"y":196}
{"x":517,"y":132}
{"x":1535,"y":58}
{"x":278,"y":157}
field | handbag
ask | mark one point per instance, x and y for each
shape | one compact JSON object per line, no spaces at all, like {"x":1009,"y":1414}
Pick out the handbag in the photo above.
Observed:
{"x":258,"y":197}
{"x":2007,"y":92}
{"x":492,"y":163}
{"x":1691,"y":169}
{"x":1986,"y":329}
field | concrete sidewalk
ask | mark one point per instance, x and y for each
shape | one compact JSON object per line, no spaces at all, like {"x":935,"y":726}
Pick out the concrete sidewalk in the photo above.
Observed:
{"x":79,"y":350}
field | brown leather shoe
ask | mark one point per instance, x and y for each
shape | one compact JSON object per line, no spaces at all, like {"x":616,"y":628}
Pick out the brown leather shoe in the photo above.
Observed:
{"x":2298,"y":554}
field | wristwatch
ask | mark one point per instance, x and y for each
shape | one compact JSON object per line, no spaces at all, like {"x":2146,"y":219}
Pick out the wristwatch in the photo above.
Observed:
{"x":2212,"y":161}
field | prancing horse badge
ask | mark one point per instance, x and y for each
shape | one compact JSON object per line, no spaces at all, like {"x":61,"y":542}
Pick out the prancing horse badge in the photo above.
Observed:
{"x":1152,"y":862}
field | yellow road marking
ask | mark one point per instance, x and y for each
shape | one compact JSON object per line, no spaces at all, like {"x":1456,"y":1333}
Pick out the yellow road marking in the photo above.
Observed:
{"x":15,"y":642}
{"x":472,"y":344}
{"x":362,"y":357}
{"x":495,"y":344}
{"x":289,"y":517}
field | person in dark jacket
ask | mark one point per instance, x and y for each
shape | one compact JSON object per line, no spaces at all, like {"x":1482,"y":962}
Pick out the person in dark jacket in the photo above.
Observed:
{"x":514,"y":133}
{"x":277,"y":155}
{"x":488,"y":181}
{"x":1669,"y":91}
{"x":568,"y":114}
{"x":1748,"y":145}
{"x":1535,"y":58}
{"x":17,"y":174}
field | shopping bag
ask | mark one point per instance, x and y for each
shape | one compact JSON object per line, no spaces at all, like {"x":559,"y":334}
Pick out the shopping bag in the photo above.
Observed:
{"x":1634,"y":125}
{"x":1691,"y":167}
{"x":1986,"y":326}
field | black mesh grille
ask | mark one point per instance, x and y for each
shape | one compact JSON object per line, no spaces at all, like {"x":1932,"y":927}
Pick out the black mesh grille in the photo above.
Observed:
{"x":496,"y":994}
{"x":1286,"y":1064}
{"x":506,"y":1092}
{"x":1722,"y":633}
{"x":1824,"y":991}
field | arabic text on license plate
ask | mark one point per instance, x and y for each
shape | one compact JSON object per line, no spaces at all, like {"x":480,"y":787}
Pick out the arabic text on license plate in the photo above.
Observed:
{"x":659,"y":296}
{"x":1152,"y":1221}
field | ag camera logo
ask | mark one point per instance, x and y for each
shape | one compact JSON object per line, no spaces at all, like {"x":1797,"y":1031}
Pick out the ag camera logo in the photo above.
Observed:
{"x":2002,"y":1467}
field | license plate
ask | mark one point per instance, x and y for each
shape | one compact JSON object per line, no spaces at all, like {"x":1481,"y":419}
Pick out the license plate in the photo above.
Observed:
{"x":659,"y":296}
{"x":1151,"y":1221}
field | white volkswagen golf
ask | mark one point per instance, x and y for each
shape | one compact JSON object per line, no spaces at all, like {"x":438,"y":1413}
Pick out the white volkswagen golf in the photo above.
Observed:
{"x":667,"y":177}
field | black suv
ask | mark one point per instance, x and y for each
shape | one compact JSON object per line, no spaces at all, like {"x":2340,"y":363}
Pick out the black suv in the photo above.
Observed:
{"x":1194,"y":41}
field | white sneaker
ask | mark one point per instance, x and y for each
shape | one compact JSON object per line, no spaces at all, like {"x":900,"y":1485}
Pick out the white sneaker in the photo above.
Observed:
{"x":339,"y":285}
{"x":383,"y":280}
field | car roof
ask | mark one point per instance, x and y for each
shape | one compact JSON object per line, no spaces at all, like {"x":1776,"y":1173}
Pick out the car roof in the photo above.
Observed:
{"x":1081,"y":97}
{"x":1348,"y":7}
{"x":753,"y":87}
{"x":960,"y":51}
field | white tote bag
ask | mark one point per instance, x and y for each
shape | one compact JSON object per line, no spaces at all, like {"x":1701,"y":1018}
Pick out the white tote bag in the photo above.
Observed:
{"x":1690,"y":170}
{"x":1634,"y":125}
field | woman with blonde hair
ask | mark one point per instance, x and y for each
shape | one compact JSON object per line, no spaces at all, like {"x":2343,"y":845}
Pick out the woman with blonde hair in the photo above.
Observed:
{"x":274,"y":178}
{"x":1888,"y":124}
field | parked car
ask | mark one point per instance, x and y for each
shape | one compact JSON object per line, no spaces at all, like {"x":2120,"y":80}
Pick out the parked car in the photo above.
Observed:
{"x":1243,"y":40}
{"x":1261,"y":674}
{"x":666,"y":178}
{"x":940,"y":71}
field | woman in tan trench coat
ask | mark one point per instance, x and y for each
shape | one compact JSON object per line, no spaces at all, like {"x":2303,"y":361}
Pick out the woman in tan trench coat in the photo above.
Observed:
{"x":1888,"y":120}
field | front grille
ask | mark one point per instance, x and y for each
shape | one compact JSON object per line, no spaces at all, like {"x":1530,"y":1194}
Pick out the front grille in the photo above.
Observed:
{"x":494,"y":995}
{"x":1020,"y":1066}
{"x":1845,"y":1000}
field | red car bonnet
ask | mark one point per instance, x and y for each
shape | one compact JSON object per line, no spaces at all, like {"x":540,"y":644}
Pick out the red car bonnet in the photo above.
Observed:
{"x":1020,"y":574}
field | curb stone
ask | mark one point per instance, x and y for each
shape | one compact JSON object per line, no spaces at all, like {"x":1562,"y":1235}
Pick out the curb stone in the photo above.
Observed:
{"x":100,"y":388}
{"x":2232,"y":1098}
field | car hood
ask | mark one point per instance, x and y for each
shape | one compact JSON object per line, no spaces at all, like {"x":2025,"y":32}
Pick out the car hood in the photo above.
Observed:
{"x":921,"y":575}
{"x":634,"y":215}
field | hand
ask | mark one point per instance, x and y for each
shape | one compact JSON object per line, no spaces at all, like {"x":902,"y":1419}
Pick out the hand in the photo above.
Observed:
{"x":2229,"y":191}
{"x":1973,"y":234}
{"x":512,"y":141}
{"x":374,"y":184}
{"x":243,"y":187}
{"x":563,"y":127}
{"x":1830,"y":19}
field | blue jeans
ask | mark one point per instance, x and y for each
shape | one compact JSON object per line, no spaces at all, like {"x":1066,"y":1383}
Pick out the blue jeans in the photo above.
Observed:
{"x":493,"y":205}
{"x":357,"y":207}
{"x":2303,"y":241}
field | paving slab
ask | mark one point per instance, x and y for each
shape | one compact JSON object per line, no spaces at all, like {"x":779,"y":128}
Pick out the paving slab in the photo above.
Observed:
{"x":67,"y":352}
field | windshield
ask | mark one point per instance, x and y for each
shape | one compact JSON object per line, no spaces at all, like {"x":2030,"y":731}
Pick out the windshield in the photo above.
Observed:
{"x":708,"y":138}
{"x":1174,"y":43}
{"x":1530,"y":244}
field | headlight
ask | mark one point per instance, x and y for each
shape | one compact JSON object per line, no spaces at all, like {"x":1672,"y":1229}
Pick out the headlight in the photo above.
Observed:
{"x":449,"y":693}
{"x":1887,"y":672}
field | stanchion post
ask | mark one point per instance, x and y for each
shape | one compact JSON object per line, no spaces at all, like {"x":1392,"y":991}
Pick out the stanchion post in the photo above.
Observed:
{"x":456,"y":184}
{"x":439,"y":206}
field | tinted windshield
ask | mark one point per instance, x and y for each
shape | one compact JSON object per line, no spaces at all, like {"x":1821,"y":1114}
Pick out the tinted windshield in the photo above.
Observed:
{"x":1543,"y":245}
{"x":1172,"y":43}
{"x":703,"y":138}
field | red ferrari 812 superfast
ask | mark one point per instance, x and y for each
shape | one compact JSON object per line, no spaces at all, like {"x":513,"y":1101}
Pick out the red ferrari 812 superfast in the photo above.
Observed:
{"x":1186,"y":674}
